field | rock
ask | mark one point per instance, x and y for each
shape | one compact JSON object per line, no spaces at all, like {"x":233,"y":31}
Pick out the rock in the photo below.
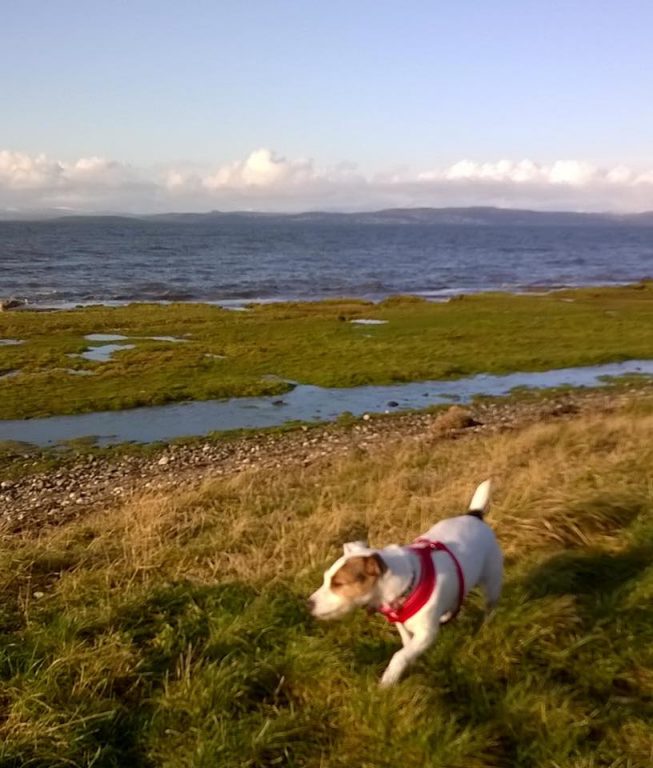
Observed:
{"x":393,"y":404}
{"x":163,"y":461}
{"x":6,"y":304}
{"x":454,"y":418}
{"x":278,"y":402}
{"x":563,"y":409}
{"x":366,"y":417}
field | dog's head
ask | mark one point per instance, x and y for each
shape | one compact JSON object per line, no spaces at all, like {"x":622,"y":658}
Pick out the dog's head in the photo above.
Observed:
{"x":351,"y":582}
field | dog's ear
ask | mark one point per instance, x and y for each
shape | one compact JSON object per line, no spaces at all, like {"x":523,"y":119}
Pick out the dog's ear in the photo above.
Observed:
{"x":350,"y":547}
{"x":375,"y":565}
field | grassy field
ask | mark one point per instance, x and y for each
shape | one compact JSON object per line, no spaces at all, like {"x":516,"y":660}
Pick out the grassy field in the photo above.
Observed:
{"x":236,"y":353}
{"x":172,"y":632}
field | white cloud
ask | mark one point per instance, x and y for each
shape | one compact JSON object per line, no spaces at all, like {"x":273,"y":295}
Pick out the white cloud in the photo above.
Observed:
{"x":21,"y":171}
{"x":570,"y":172}
{"x":263,"y":168}
{"x":268,"y":181}
{"x":88,"y":183}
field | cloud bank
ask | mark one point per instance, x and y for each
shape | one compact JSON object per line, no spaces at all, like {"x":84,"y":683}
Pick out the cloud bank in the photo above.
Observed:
{"x":268,"y":181}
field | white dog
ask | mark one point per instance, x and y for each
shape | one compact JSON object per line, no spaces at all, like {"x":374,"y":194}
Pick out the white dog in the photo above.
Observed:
{"x":417,"y":587}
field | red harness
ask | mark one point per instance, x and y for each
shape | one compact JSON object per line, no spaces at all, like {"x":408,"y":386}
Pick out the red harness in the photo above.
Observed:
{"x":423,"y":590}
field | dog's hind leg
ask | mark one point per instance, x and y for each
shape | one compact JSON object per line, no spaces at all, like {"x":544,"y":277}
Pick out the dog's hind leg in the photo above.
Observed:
{"x":492,"y":578}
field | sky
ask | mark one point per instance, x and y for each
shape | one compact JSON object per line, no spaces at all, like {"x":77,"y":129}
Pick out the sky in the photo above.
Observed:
{"x":288,"y":105}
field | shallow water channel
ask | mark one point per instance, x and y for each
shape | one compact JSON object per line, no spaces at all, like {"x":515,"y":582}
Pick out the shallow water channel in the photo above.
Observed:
{"x":306,"y":403}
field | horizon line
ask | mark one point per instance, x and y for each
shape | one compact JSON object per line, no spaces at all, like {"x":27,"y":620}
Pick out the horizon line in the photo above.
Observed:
{"x":50,"y":214}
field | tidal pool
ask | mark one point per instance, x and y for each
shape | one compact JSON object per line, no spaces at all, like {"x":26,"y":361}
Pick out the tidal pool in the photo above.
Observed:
{"x":104,"y":352}
{"x":105,"y":337}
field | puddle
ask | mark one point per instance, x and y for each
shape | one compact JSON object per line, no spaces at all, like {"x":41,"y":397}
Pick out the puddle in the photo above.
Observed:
{"x":364,"y":321}
{"x":70,"y":371}
{"x":120,"y":337}
{"x":102,"y":354}
{"x":105,"y":337}
{"x":10,"y":342}
{"x":308,"y":403}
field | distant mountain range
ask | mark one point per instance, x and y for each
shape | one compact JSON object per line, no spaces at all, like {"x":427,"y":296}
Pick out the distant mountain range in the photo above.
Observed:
{"x":474,"y":217}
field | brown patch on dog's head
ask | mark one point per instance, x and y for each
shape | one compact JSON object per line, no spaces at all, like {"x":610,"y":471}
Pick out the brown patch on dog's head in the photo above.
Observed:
{"x":358,"y":576}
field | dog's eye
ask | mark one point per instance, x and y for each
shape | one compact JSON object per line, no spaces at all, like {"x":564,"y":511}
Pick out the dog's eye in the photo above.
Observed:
{"x":336,"y":583}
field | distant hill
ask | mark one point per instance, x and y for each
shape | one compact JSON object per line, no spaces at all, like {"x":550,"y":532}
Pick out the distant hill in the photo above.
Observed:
{"x":472,"y":216}
{"x":479,"y":216}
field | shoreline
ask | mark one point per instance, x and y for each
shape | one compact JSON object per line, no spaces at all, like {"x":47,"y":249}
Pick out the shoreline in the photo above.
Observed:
{"x":435,"y":296}
{"x":92,"y":481}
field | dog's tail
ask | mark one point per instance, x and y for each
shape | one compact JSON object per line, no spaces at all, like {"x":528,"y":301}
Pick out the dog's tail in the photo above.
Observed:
{"x":480,"y":503}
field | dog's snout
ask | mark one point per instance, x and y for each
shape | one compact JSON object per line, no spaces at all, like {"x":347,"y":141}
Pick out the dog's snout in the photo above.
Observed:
{"x":310,"y":604}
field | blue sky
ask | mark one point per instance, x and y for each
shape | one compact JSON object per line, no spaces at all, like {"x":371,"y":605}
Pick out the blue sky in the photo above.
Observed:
{"x":391,"y":90}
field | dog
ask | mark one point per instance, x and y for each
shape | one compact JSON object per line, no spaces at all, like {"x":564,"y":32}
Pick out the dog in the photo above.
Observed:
{"x":416,"y":587}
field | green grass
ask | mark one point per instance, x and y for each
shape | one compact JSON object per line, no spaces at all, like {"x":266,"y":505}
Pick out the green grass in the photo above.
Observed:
{"x":172,"y":632}
{"x":311,"y":343}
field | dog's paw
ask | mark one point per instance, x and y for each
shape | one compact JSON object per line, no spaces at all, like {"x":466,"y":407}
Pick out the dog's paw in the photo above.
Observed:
{"x":446,"y":617}
{"x":389,"y":678}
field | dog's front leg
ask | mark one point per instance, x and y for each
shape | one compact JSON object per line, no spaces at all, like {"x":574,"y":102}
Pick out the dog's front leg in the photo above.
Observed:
{"x":415,"y":647}
{"x":406,"y":637}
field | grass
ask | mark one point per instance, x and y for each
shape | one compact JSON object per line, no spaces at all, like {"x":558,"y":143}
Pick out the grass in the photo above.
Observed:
{"x":172,"y":632}
{"x":235,"y":353}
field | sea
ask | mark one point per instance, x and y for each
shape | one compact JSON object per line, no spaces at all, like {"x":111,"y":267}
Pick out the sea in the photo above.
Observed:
{"x":66,"y":262}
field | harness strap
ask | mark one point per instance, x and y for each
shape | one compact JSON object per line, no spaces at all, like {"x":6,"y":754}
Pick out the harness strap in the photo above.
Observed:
{"x":423,"y":549}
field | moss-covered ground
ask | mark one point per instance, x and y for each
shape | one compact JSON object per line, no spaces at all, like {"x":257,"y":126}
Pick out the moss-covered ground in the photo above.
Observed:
{"x":226,"y":353}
